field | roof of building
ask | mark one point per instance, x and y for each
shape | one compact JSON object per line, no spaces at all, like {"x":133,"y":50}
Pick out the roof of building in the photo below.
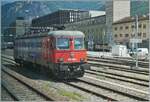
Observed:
{"x":130,"y":19}
{"x":58,"y":33}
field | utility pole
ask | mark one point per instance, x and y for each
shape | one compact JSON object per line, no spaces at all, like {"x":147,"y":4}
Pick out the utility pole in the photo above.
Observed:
{"x":136,"y":35}
{"x":103,"y":40}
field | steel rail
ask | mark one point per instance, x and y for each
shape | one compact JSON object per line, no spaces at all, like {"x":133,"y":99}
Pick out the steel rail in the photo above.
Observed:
{"x":119,"y":61}
{"x":106,"y":83}
{"x":120,"y":75}
{"x":90,"y":91}
{"x":15,"y":98}
{"x":29,"y":86}
{"x":121,"y":68}
{"x":118,"y":78}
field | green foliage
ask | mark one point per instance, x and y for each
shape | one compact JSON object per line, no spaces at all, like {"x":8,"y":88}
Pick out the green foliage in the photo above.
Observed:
{"x":71,"y":95}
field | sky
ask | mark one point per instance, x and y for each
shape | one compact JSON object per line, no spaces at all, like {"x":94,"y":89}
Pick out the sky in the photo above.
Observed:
{"x":49,"y":0}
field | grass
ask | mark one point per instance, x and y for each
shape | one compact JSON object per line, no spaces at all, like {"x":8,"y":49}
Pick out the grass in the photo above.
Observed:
{"x":71,"y":95}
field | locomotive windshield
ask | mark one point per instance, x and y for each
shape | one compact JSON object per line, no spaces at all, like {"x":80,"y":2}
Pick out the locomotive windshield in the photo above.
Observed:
{"x":62,"y":43}
{"x":78,"y":43}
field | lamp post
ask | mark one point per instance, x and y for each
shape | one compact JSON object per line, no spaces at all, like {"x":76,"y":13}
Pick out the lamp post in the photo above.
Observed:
{"x":135,"y":40}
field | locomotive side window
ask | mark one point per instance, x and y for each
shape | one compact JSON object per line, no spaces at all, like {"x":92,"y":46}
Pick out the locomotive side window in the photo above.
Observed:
{"x":78,"y":43}
{"x":62,"y":43}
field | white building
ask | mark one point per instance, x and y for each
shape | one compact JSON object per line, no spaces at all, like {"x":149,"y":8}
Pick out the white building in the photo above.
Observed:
{"x":91,"y":13}
{"x":96,"y":13}
{"x":115,"y":10}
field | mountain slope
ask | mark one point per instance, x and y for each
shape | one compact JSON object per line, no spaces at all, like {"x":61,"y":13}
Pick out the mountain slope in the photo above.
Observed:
{"x":33,"y":9}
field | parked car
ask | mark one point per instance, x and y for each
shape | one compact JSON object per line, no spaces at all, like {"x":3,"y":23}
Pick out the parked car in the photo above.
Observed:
{"x":141,"y":52}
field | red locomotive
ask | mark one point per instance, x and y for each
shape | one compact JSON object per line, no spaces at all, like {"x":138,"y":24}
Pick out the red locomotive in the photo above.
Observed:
{"x":60,"y":51}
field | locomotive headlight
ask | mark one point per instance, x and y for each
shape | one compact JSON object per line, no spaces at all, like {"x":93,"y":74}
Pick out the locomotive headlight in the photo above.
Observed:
{"x":60,"y":60}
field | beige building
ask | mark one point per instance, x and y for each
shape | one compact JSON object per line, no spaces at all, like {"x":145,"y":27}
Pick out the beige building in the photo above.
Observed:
{"x":124,"y":30}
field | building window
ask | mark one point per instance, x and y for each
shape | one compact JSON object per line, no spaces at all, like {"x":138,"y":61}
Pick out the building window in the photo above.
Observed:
{"x":132,"y":26}
{"x":140,"y":25}
{"x":144,"y":26}
{"x":132,"y":35}
{"x":139,"y":34}
{"x":115,"y":28}
{"x":127,"y":27}
{"x":120,"y":35}
{"x":121,"y":28}
{"x":144,"y":34}
{"x":116,"y":36}
{"x":126,"y":35}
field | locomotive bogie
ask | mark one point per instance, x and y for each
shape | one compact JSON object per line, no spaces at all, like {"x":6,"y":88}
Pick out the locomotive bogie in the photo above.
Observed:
{"x":74,"y":70}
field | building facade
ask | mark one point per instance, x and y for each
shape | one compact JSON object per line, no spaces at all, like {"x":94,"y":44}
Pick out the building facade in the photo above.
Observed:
{"x":59,"y":17}
{"x":93,"y":28}
{"x":115,"y":10}
{"x":124,"y":30}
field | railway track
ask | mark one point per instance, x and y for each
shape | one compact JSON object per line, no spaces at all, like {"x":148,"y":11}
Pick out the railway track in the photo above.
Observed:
{"x":114,"y":66}
{"x":7,"y":94}
{"x":128,"y":62}
{"x":108,"y":90}
{"x":119,"y":73}
{"x":121,"y":58}
{"x":139,"y":77}
{"x":97,"y":62}
{"x":130,"y":59}
{"x":38,"y":92}
{"x":103,"y":75}
{"x":20,"y":89}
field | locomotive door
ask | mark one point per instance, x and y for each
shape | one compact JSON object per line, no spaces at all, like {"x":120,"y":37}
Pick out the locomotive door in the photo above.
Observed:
{"x":46,"y":49}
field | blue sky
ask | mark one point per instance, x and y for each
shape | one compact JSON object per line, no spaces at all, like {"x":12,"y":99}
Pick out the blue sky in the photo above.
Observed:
{"x":7,"y":0}
{"x":50,"y":0}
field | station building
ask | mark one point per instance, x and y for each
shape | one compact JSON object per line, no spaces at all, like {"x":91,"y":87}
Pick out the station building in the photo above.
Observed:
{"x":93,"y":28}
{"x":101,"y":32}
{"x":124,"y":30}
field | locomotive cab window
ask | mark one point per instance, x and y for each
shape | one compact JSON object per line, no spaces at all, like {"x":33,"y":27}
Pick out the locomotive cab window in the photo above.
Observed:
{"x":78,"y":43}
{"x":62,"y":43}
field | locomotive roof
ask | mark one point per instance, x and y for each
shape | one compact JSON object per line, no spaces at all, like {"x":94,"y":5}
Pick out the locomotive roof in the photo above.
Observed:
{"x":65,"y":33}
{"x":53,"y":33}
